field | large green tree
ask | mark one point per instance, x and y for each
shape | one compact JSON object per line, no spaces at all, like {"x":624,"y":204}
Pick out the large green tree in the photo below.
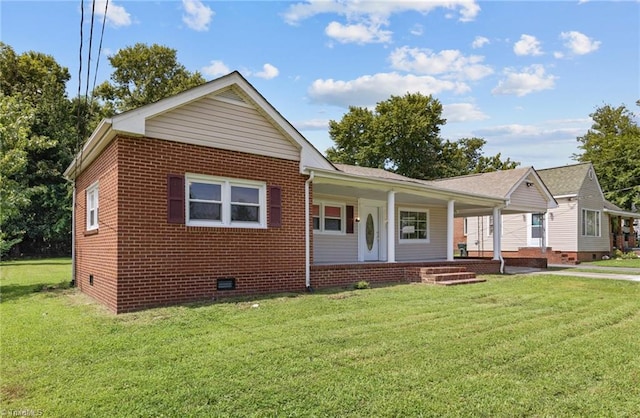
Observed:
{"x":613,"y":146}
{"x":402,"y":134}
{"x":39,"y":131}
{"x":144,"y":74}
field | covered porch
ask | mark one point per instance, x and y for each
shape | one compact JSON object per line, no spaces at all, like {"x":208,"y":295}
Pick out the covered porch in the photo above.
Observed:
{"x":370,"y":224}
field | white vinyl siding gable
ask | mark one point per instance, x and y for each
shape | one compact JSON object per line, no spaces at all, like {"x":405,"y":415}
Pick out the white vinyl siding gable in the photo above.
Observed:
{"x":528,"y":197}
{"x":223,"y":123}
{"x":561,"y":225}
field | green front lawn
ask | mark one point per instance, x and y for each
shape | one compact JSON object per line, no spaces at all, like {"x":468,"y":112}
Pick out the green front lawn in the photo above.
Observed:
{"x":628,"y":263}
{"x":513,"y":346}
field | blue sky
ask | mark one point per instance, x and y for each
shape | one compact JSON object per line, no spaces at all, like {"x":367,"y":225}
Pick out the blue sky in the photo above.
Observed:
{"x":522,"y":75}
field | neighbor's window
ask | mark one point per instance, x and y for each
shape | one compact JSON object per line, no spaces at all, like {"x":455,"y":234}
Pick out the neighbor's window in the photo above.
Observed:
{"x":214,"y":201}
{"x":92,"y":207}
{"x":590,"y":223}
{"x":328,"y":217}
{"x":413,"y":225}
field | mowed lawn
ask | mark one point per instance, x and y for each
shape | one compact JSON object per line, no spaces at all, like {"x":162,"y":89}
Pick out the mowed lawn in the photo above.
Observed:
{"x":514,"y":346}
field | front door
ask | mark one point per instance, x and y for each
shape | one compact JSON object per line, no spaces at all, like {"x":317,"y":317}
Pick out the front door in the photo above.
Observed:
{"x":370,"y":221}
{"x":536,"y":230}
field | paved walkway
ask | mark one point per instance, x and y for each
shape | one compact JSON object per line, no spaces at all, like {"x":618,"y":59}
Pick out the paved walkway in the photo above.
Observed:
{"x":629,"y":274}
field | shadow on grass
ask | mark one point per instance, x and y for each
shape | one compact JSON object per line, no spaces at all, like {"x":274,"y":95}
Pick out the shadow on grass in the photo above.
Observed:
{"x":13,"y":291}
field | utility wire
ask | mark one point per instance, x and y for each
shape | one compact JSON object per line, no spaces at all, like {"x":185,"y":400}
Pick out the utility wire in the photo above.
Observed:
{"x":95,"y":75}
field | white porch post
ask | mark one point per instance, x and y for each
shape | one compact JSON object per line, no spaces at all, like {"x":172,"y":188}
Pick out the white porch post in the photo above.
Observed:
{"x":497,"y":233}
{"x":450,"y":208}
{"x":391,"y":226}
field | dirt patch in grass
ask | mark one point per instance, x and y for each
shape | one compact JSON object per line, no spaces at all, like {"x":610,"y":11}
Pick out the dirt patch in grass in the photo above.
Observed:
{"x":12,"y":392}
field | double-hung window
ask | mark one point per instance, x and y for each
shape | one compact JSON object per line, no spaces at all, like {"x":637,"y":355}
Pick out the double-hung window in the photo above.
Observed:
{"x":216,"y":201}
{"x":590,"y":223}
{"x":413,"y":225}
{"x":92,"y":206}
{"x":328,"y":217}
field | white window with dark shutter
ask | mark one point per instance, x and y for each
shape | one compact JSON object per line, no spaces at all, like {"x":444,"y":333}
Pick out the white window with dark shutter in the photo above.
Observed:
{"x":224,"y":202}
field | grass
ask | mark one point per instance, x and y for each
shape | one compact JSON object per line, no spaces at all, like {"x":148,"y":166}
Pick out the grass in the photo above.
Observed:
{"x":628,"y":263}
{"x":514,"y":346}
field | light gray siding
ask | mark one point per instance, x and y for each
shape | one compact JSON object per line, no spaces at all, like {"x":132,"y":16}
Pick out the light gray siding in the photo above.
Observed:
{"x":436,"y":249}
{"x":478,"y":236}
{"x":561,"y":224}
{"x":225,"y":123}
{"x":336,"y":248}
{"x":591,"y":198}
{"x":528,"y":197}
{"x":515,"y":230}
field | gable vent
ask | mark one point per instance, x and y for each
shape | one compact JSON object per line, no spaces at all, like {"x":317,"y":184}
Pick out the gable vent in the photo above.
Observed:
{"x":231,"y":95}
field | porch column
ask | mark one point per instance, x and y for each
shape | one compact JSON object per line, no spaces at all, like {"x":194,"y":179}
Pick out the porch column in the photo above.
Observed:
{"x":497,"y":234}
{"x":391,"y":226}
{"x":450,"y":228}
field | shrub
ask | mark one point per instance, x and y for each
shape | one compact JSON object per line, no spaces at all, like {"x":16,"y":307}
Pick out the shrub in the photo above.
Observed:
{"x":362,"y":284}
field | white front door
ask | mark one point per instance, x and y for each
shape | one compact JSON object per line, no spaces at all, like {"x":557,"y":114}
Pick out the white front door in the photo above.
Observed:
{"x":536,"y":230}
{"x":370,"y":232}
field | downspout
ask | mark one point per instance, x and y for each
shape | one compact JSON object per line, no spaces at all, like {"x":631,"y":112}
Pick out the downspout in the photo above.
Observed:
{"x":73,"y":236}
{"x":307,"y":233}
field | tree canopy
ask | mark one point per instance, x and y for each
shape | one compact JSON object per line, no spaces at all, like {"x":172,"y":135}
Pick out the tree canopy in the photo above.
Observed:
{"x":144,"y":74}
{"x":612,"y":145}
{"x":402,"y":134}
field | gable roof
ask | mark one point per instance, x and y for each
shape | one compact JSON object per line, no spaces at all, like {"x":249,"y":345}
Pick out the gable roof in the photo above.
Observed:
{"x":134,"y":122}
{"x":565,"y":180}
{"x":501,"y":183}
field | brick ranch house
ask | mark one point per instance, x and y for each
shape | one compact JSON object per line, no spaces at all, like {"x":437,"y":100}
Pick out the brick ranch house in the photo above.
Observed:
{"x":212,"y":193}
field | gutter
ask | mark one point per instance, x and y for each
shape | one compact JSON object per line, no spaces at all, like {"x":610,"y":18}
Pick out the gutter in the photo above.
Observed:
{"x":307,"y":233}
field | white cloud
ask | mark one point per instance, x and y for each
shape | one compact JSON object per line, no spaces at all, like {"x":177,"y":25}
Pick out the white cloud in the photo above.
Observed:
{"x":462,"y":112}
{"x":558,"y":54}
{"x":116,"y":15}
{"x":527,"y":45}
{"x":357,"y":33}
{"x":268,"y":72}
{"x":215,"y":68}
{"x":370,"y":89}
{"x":579,"y":43}
{"x":417,"y":30}
{"x":375,"y":10}
{"x":479,"y":42}
{"x":450,"y":62}
{"x":530,"y":80}
{"x":312,"y":125}
{"x":198,"y":16}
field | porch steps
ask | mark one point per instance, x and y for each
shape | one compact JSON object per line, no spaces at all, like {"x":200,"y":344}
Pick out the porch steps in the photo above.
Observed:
{"x":448,"y":276}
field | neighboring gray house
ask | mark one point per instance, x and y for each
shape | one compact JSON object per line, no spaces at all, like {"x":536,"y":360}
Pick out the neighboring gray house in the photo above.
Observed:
{"x":584,"y":226}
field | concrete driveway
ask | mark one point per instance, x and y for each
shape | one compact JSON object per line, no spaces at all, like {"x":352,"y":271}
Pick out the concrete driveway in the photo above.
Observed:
{"x":621,"y":273}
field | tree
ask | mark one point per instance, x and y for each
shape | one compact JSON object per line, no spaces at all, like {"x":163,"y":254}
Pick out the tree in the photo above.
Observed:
{"x":465,"y":157}
{"x":144,"y":74}
{"x":402,"y":134}
{"x":612,"y":145}
{"x":44,"y":137}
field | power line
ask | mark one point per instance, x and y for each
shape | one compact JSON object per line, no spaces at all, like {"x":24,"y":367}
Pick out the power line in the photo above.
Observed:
{"x":104,"y":21}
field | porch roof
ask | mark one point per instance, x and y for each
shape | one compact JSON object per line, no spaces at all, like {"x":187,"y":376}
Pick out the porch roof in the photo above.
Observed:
{"x":477,"y":194}
{"x":374,"y":184}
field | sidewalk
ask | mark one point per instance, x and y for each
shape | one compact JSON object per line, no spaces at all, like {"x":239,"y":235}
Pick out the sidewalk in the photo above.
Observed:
{"x":629,"y":274}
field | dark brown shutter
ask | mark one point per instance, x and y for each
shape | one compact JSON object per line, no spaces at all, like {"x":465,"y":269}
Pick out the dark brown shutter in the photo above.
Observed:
{"x":275,"y":206}
{"x":175,"y":199}
{"x":350,"y":219}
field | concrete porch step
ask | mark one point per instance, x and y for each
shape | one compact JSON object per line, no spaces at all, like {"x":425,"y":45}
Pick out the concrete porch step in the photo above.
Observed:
{"x":442,"y":269}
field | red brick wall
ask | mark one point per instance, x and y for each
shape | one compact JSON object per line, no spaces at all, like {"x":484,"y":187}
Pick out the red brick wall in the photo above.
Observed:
{"x":324,"y":276}
{"x":458,"y":234}
{"x":96,"y":251}
{"x":161,"y":263}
